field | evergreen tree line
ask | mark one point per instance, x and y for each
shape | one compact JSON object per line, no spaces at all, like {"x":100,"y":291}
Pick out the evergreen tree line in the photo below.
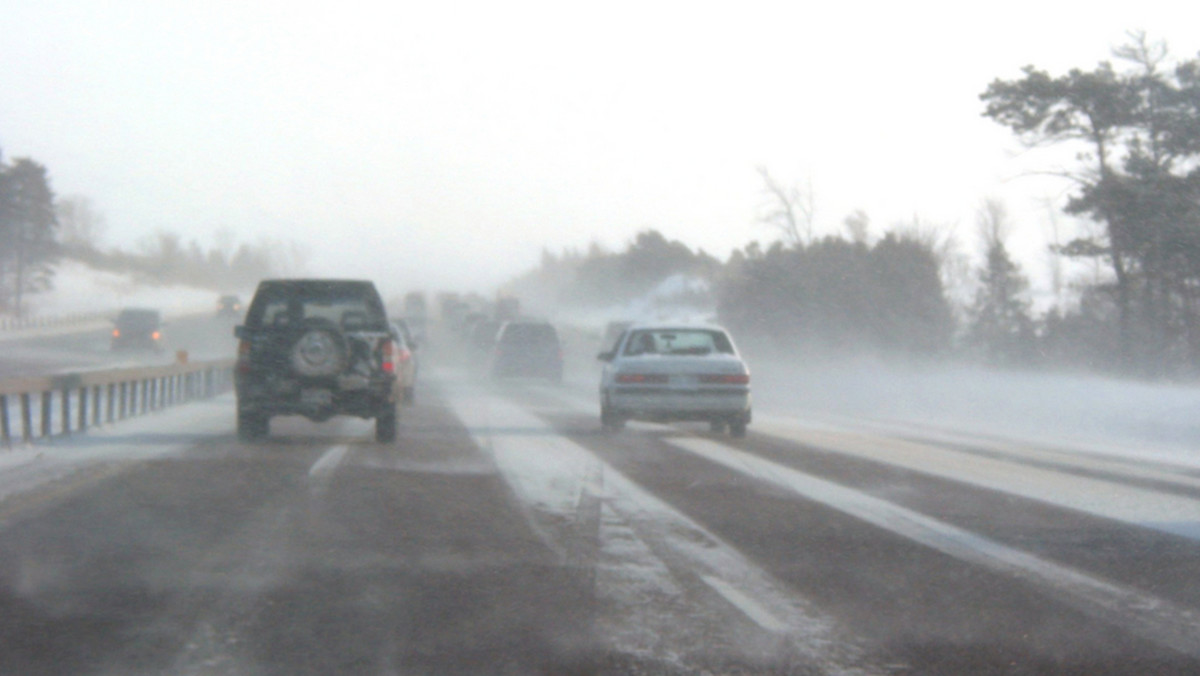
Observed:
{"x":1135,"y":130}
{"x":28,"y":242}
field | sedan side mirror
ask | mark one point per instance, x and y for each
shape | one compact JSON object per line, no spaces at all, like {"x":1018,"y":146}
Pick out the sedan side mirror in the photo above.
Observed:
{"x":605,"y":356}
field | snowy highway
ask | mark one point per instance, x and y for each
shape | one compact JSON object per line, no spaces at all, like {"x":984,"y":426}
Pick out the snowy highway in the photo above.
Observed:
{"x":505,"y":533}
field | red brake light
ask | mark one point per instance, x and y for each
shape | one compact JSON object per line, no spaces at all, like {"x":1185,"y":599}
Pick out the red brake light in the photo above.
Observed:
{"x":387,"y":351}
{"x":116,"y":333}
{"x":156,"y":335}
{"x":726,"y":378}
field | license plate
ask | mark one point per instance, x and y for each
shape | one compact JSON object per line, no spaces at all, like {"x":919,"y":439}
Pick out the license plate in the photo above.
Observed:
{"x":316,"y":397}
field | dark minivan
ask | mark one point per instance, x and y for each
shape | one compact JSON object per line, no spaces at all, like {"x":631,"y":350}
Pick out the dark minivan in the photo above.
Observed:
{"x":527,"y":348}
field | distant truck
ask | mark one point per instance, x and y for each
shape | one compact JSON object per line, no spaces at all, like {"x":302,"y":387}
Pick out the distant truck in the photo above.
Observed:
{"x":414,"y":305}
{"x":508,"y":308}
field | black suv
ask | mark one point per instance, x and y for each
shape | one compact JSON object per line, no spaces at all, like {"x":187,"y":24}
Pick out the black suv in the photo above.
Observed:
{"x":316,"y":348}
{"x":137,"y":328}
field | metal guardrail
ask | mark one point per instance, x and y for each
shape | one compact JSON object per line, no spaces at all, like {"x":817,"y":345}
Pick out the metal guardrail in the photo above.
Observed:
{"x":48,"y":321}
{"x":70,"y":403}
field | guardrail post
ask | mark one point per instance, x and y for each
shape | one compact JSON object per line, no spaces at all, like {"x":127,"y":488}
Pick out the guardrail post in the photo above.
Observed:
{"x":124,"y":399}
{"x":5,"y":429}
{"x":110,"y":402}
{"x":95,"y":405}
{"x":81,"y":425}
{"x":66,"y":411}
{"x":146,"y":392}
{"x":47,"y":409}
{"x":26,"y":418}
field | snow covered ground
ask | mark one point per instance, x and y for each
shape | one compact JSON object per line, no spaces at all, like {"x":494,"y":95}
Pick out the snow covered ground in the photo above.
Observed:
{"x":79,"y":289}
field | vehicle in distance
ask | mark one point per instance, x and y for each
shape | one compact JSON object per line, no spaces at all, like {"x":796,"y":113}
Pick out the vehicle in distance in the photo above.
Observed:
{"x":527,"y":348}
{"x":137,"y":329}
{"x":670,"y":373}
{"x":316,"y":348}
{"x":229,"y":306}
{"x":407,"y":365}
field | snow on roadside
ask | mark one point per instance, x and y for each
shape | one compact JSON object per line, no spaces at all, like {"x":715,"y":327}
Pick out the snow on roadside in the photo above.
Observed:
{"x":80,"y":289}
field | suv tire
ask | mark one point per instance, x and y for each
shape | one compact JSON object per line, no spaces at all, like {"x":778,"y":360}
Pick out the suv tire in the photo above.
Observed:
{"x":385,"y":426}
{"x":252,"y":426}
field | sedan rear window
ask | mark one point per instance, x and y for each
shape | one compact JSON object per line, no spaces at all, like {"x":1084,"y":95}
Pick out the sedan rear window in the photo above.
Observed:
{"x":677,"y":342}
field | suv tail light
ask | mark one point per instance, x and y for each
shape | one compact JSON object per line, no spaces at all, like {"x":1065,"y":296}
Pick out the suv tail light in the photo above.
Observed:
{"x":243,"y":363}
{"x":387,"y":352}
{"x":726,"y":379}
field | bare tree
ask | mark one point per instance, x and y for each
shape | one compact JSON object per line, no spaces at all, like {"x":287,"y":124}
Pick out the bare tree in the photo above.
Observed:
{"x":79,"y":224}
{"x":858,"y":224}
{"x":992,"y":220}
{"x":788,"y":209}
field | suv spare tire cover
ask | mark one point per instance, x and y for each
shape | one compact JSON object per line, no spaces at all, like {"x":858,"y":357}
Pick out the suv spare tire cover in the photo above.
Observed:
{"x":319,"y":351}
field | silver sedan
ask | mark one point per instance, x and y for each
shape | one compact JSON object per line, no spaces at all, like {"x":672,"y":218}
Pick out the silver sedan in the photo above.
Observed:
{"x":668,"y":373}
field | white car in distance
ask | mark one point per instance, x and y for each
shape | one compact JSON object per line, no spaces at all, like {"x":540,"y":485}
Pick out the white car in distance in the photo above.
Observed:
{"x":672,"y":373}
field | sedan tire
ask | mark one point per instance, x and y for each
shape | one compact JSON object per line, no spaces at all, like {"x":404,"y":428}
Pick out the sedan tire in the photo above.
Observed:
{"x":609,"y":419}
{"x":737,"y":429}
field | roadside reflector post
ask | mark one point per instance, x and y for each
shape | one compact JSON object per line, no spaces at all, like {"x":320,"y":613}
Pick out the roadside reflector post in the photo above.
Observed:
{"x":47,"y":409}
{"x":5,"y":430}
{"x":26,"y":418}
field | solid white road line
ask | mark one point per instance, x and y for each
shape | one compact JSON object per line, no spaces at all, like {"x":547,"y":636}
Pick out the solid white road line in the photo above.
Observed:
{"x":1145,"y":615}
{"x":327,"y":464}
{"x":749,"y":607}
{"x":1137,"y":462}
{"x":1143,"y":507}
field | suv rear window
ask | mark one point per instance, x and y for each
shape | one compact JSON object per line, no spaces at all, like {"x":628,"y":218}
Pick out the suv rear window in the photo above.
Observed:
{"x":529,"y":334}
{"x":139,"y":319}
{"x":349,"y":305}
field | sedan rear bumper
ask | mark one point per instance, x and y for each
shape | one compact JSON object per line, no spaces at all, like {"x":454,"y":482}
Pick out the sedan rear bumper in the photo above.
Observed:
{"x":679,"y":404}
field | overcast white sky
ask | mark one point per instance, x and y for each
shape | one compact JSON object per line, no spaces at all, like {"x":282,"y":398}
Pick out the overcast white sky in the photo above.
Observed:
{"x":444,"y":144}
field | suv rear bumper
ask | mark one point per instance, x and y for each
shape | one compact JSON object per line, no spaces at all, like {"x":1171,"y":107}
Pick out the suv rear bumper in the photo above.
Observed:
{"x":315,"y":400}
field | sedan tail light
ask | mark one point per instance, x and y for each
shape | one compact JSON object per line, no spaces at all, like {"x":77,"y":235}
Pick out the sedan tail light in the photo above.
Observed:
{"x":726,"y":379}
{"x":642,"y":378}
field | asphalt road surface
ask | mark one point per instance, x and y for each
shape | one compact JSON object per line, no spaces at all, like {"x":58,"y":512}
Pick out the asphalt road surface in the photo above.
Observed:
{"x":506,"y":534}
